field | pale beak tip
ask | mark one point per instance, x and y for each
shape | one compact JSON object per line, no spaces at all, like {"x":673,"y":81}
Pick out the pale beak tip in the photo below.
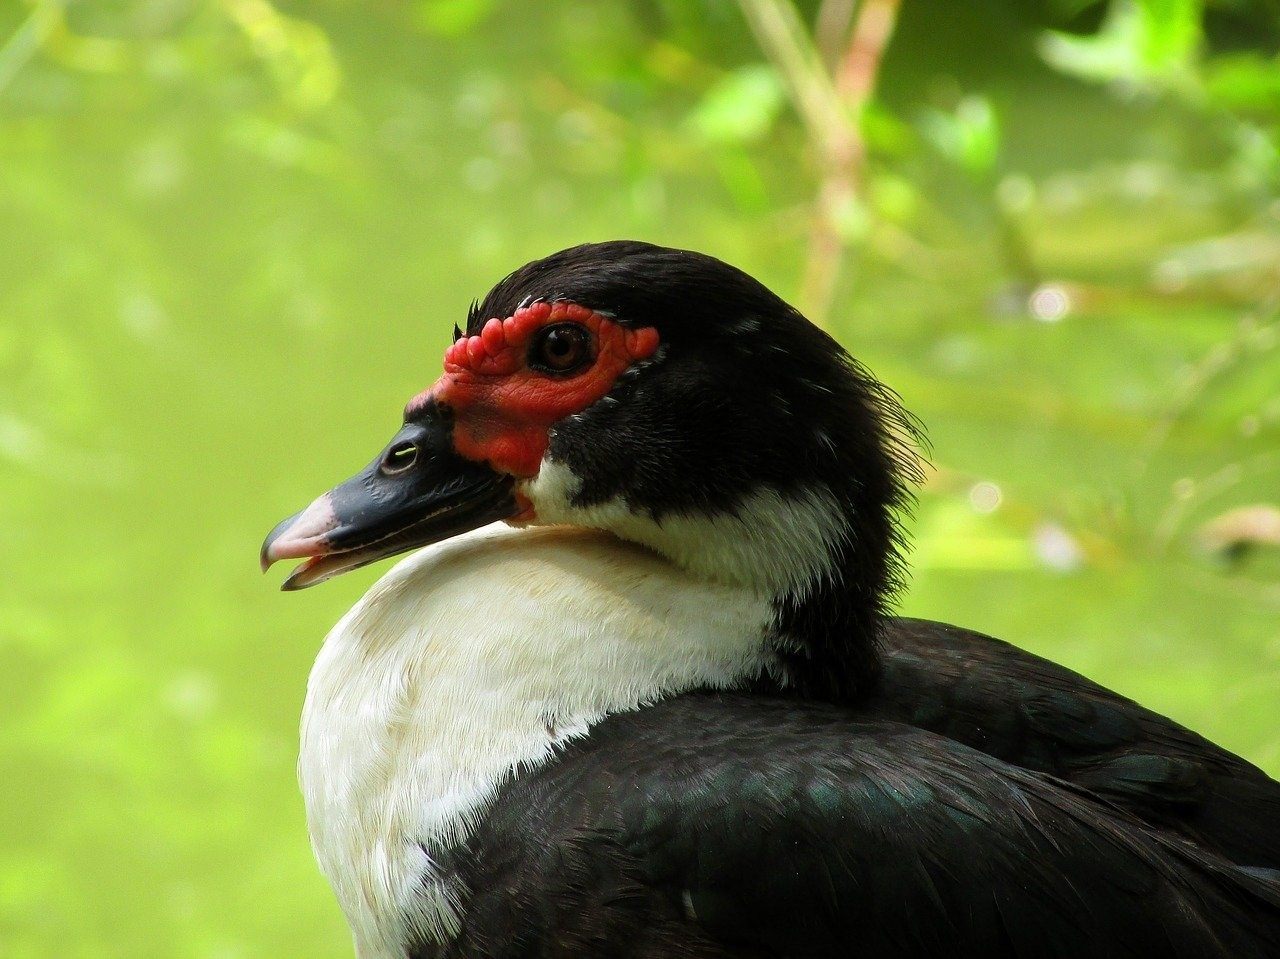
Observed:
{"x":301,"y":535}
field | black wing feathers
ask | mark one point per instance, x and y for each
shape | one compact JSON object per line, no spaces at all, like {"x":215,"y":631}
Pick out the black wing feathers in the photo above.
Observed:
{"x":723,"y":825}
{"x":1038,"y":715}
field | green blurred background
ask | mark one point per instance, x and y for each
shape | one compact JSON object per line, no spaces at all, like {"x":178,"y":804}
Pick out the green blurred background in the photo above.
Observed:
{"x":235,"y":234}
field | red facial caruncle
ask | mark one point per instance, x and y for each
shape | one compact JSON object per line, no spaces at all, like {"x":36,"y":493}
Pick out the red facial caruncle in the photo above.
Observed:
{"x":506,"y":388}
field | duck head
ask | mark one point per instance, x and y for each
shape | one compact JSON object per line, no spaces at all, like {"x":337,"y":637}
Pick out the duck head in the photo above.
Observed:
{"x":674,"y":401}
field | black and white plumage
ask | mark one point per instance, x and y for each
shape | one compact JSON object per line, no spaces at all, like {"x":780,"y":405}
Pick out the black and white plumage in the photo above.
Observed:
{"x":675,"y":717}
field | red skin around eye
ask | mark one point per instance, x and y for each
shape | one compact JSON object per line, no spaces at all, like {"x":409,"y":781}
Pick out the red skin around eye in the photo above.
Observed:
{"x":502,"y":409}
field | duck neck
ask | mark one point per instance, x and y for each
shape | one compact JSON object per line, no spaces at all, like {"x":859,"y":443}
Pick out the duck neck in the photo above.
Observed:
{"x":824,"y":556}
{"x":826,"y":633}
{"x":827,"y":558}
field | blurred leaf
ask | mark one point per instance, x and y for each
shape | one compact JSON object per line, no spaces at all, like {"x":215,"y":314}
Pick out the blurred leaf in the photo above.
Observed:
{"x":894,"y":198}
{"x":1072,"y":8}
{"x":27,"y":39}
{"x":852,"y":218}
{"x":968,"y":137}
{"x":885,"y":132}
{"x":452,"y":18}
{"x":1256,"y":158}
{"x":1140,"y":41}
{"x":297,"y":52}
{"x":285,"y":146}
{"x":740,"y":108}
{"x":1244,"y":81}
{"x":743,"y":180}
{"x":1170,"y":31}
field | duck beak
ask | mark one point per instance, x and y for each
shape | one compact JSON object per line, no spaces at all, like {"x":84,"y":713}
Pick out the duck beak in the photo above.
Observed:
{"x":417,"y":492}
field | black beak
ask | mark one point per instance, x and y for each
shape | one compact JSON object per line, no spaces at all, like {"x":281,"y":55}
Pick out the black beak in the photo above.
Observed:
{"x":417,"y":492}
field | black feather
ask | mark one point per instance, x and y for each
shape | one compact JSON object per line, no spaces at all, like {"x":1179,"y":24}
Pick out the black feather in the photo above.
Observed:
{"x":1041,"y":716}
{"x":732,"y":825}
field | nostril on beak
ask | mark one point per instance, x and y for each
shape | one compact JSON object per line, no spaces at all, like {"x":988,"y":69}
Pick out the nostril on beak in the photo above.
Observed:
{"x":399,"y":458}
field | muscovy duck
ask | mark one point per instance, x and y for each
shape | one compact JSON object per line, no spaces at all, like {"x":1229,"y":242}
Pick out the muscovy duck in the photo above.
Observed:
{"x":666,"y":711}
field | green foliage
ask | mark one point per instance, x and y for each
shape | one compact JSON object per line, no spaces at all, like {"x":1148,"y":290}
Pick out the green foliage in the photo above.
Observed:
{"x":452,"y":18}
{"x":741,"y":107}
{"x":1157,"y":45}
{"x":1248,"y":83}
{"x":1141,"y":42}
{"x":297,"y":53}
{"x":968,"y":136}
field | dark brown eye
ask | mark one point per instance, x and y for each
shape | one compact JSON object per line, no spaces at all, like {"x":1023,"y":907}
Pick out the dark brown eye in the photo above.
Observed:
{"x":562,"y":348}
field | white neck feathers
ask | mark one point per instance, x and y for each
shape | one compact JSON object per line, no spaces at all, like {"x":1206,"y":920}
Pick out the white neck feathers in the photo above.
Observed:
{"x":472,"y":660}
{"x":779,"y":545}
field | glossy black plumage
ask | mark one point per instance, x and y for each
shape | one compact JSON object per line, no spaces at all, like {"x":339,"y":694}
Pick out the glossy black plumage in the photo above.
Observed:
{"x":718,"y":825}
{"x":1041,"y":716}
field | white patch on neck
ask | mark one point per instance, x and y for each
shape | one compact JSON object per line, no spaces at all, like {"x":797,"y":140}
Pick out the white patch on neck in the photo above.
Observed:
{"x":779,"y":545}
{"x":475,"y":659}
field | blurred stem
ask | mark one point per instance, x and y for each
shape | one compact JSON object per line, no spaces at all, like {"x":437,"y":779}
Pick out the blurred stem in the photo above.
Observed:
{"x":842,"y":186}
{"x":831,"y":27}
{"x":830,"y":97}
{"x":782,"y":36}
{"x":28,"y":38}
{"x":856,"y":79}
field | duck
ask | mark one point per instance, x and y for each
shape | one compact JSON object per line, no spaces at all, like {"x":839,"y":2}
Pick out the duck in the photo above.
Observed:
{"x":638,"y":689}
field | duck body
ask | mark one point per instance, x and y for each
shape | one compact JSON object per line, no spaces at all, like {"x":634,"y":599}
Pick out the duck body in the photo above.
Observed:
{"x":1038,"y":715}
{"x":723,"y":824}
{"x":553,"y":742}
{"x":671,"y":713}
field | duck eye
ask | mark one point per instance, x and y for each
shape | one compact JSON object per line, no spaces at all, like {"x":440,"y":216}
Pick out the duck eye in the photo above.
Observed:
{"x":399,"y":458}
{"x":562,"y":348}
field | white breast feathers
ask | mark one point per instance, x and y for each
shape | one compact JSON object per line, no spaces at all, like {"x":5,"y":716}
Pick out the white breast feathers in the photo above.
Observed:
{"x":469,"y":662}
